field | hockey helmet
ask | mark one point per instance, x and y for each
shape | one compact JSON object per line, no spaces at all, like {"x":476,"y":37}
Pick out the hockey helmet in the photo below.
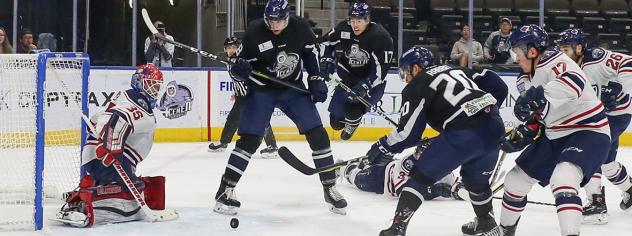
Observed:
{"x":528,"y":35}
{"x":359,"y":10}
{"x":232,"y":40}
{"x":573,"y":37}
{"x":276,"y":10}
{"x":147,"y":80}
{"x":417,"y":55}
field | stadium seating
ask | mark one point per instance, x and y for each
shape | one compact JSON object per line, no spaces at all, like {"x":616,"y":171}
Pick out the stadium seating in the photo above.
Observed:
{"x":557,"y":7}
{"x":594,"y":25}
{"x":582,"y":8}
{"x":614,"y":8}
{"x":620,"y":25}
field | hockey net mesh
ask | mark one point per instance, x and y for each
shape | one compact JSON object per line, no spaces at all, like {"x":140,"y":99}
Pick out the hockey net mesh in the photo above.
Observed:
{"x":62,"y":117}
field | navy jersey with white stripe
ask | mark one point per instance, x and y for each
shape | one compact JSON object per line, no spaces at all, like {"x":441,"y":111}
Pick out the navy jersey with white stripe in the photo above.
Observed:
{"x":280,"y":56}
{"x":572,"y":105}
{"x":125,"y":128}
{"x":364,"y":57}
{"x":443,"y":97}
{"x":604,"y":66}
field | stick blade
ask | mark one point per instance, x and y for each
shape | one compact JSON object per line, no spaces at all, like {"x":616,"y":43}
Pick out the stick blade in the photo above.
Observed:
{"x":147,"y":20}
{"x":294,"y":162}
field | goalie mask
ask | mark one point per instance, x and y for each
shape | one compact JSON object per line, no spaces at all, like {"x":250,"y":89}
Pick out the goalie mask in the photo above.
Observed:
{"x":147,"y":80}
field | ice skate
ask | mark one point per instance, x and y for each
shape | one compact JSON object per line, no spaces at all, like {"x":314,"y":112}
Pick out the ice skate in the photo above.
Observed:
{"x":336,"y":202}
{"x":596,"y":212}
{"x":217,"y":147}
{"x":269,"y":152}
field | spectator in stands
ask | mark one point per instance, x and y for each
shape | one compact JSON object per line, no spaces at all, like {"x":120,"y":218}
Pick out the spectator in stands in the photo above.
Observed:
{"x":26,"y":42}
{"x":5,"y":46}
{"x":460,"y":51}
{"x":157,"y":51}
{"x":497,"y":44}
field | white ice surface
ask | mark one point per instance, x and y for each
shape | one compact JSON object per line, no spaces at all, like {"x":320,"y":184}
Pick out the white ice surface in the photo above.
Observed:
{"x":277,"y":200}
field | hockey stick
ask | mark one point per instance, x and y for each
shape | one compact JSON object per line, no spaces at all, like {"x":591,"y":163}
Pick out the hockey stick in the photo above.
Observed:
{"x":362,"y":100}
{"x":297,"y":164}
{"x":533,"y":202}
{"x":155,"y":32}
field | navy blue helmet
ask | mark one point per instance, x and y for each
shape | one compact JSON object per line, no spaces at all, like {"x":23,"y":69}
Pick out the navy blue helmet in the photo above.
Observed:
{"x":232,"y":40}
{"x":359,"y":10}
{"x":417,"y":55}
{"x":573,"y":37}
{"x":529,"y":34}
{"x":276,"y":10}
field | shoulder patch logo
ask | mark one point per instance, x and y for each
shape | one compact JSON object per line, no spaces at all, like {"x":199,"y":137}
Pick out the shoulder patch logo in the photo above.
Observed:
{"x":598,"y":53}
{"x":265,"y":46}
{"x":345,"y":35}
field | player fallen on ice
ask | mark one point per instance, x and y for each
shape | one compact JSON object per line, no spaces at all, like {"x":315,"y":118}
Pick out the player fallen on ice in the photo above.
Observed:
{"x":610,"y":73}
{"x":125,"y":133}
{"x":278,"y":45}
{"x":231,"y":46}
{"x":470,"y":128}
{"x":390,"y":177}
{"x":565,"y":131}
{"x":367,"y":52}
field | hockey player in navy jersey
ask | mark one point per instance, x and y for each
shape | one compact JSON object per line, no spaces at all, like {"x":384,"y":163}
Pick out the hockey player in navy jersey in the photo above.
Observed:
{"x":367,"y":52}
{"x":389,"y":178}
{"x":278,"y":46}
{"x":470,"y":127}
{"x":125,"y":132}
{"x":566,"y":132}
{"x":610,"y":73}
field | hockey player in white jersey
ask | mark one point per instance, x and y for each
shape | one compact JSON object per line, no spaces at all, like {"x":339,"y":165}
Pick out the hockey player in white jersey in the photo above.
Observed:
{"x":389,"y":178}
{"x":558,"y":104}
{"x":125,"y":134}
{"x":610,"y":74}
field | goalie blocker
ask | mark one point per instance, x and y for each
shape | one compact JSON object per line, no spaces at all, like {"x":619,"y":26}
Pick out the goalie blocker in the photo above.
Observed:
{"x":111,"y":203}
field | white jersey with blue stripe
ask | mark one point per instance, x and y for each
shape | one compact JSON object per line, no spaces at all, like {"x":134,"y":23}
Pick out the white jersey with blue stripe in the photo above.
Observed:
{"x":572,"y":105}
{"x":604,"y":66}
{"x":137,"y":125}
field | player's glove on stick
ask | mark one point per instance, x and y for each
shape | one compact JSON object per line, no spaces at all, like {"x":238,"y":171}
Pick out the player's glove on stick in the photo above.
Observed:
{"x":379,"y":154}
{"x":318,"y":88}
{"x":361,"y":90}
{"x":609,"y":95}
{"x":521,"y":137}
{"x":105,"y":156}
{"x":241,"y":69}
{"x":327,"y":67}
{"x":530,"y":104}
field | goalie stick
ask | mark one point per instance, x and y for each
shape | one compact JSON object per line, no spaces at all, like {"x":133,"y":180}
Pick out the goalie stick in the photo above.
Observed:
{"x":151,"y":215}
{"x":155,"y":32}
{"x":362,"y":100}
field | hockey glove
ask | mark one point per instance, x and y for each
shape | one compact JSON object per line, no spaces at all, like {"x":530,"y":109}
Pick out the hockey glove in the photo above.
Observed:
{"x":241,"y":69}
{"x":361,"y":90}
{"x":318,"y":88}
{"x":327,"y":67}
{"x":530,"y":104}
{"x":609,"y":94}
{"x":520,"y":137}
{"x":105,"y":156}
{"x":379,"y":154}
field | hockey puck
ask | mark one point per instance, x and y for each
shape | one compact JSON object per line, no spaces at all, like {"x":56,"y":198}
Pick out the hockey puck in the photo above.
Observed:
{"x":234,"y":223}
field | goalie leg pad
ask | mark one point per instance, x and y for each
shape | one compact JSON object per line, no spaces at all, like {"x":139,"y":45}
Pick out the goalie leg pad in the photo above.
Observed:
{"x":110,"y":203}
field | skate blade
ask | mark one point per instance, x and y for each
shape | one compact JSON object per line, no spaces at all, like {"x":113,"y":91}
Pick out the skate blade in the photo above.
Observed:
{"x":494,"y":232}
{"x":596,"y":219}
{"x":216,"y":150}
{"x":273,"y":155}
{"x":339,"y":211}
{"x":224,"y":209}
{"x":78,"y":224}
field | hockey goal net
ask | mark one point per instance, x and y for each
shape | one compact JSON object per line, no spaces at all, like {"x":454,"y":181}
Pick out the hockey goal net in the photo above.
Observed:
{"x":42,"y":98}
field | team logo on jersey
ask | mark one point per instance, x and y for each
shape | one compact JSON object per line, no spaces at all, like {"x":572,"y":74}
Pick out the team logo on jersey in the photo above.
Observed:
{"x":285,"y":64}
{"x":176,"y":101}
{"x":408,"y":164}
{"x":597,"y":53}
{"x":358,"y":57}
